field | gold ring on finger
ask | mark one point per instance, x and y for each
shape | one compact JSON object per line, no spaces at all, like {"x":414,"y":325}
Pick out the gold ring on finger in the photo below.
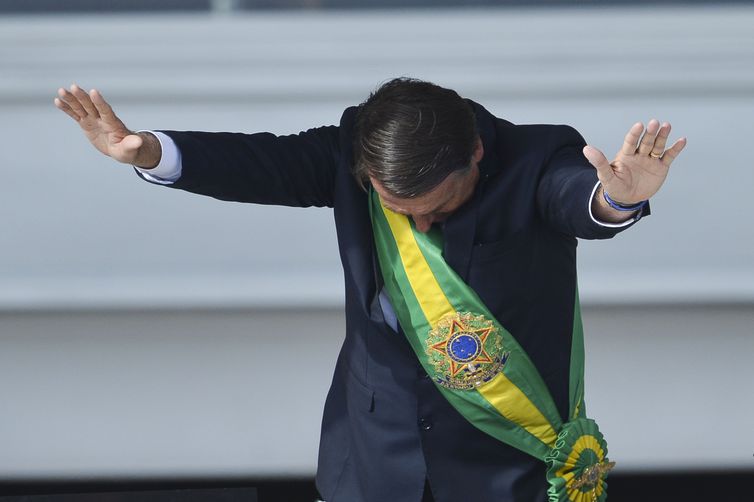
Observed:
{"x":655,"y":155}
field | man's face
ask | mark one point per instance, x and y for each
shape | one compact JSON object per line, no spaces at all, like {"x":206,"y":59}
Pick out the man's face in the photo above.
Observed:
{"x":439,"y":203}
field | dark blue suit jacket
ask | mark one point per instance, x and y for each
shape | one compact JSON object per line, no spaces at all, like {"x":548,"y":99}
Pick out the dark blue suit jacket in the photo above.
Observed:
{"x":386,"y":428}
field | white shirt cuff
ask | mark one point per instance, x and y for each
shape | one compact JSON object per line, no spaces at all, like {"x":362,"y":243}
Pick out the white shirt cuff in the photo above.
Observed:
{"x":605,"y":224}
{"x":169,"y":169}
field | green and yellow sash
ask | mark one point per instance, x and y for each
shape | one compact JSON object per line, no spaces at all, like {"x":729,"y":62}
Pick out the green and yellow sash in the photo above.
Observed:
{"x":480,"y":368}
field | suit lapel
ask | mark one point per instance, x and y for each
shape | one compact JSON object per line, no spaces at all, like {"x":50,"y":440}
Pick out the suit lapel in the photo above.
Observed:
{"x":458,"y":236}
{"x":459,"y":230}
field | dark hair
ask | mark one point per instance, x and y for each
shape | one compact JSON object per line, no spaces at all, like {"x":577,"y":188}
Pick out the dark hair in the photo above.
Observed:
{"x":410,"y":135}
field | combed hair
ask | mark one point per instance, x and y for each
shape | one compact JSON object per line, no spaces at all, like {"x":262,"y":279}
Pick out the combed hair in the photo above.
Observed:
{"x":411,"y":134}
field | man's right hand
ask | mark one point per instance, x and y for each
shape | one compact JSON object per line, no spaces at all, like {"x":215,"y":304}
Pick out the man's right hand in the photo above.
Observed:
{"x":106,"y":131}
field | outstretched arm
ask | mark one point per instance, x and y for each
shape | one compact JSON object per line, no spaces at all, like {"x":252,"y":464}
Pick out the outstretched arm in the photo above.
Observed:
{"x":293,"y":170}
{"x":636,"y":173}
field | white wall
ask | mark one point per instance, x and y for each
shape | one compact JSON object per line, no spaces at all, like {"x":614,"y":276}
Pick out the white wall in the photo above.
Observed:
{"x":139,"y":394}
{"x":115,"y":391}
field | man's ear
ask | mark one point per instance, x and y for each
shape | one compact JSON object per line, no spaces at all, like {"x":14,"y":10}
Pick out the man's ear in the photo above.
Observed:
{"x":478,"y":151}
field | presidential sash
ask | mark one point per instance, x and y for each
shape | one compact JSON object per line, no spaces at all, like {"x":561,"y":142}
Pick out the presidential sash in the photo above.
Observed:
{"x":478,"y":365}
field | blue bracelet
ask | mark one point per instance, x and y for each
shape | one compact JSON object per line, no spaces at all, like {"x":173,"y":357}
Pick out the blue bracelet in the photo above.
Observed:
{"x":621,"y":207}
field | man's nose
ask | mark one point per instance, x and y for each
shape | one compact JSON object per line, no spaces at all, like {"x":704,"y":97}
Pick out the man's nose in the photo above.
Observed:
{"x":423,"y":223}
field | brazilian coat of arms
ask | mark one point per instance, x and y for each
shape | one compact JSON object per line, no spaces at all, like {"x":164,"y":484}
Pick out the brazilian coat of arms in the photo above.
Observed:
{"x":465,"y":350}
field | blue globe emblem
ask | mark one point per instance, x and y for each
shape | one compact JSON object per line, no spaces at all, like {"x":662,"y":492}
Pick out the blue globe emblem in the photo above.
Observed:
{"x":464,"y":347}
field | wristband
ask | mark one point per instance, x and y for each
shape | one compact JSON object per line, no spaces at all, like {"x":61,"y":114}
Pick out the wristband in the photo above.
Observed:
{"x":621,"y":207}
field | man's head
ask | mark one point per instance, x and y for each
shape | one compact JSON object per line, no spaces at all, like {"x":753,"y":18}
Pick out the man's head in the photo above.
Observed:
{"x":418,"y":145}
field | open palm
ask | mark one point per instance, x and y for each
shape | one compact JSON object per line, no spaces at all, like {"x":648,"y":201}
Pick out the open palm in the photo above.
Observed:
{"x":102,"y":127}
{"x":641,"y":165}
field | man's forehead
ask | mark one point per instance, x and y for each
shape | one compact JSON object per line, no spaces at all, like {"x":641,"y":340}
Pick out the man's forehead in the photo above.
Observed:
{"x":424,"y":204}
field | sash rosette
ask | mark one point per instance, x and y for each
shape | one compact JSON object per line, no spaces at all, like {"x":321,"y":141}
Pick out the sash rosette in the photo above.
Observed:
{"x":478,"y":365}
{"x":577,"y":465}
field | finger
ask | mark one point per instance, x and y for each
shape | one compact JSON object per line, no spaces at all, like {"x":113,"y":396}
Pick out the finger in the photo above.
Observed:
{"x":672,"y":152}
{"x":83,"y":98}
{"x":600,"y":162}
{"x":632,"y":139}
{"x":661,"y":140}
{"x":72,"y":101}
{"x":61,"y":105}
{"x":102,"y":106}
{"x":648,"y":140}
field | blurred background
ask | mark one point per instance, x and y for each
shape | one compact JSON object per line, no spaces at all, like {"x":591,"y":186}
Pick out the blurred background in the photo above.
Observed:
{"x":145,"y":333}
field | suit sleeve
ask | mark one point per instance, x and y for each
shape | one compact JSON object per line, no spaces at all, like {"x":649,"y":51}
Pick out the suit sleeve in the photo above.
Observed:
{"x":566,"y":185}
{"x":293,"y":170}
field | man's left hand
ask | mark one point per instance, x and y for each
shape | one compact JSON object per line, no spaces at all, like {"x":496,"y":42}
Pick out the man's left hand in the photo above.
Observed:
{"x":640,"y":167}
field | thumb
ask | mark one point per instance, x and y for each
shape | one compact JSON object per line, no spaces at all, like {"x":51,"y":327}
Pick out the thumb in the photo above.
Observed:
{"x":131,"y":142}
{"x":127,"y":149}
{"x":600,"y":162}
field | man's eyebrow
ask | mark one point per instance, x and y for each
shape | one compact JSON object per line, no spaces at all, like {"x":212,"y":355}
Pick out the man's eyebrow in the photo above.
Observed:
{"x":391,"y":207}
{"x":395,"y":209}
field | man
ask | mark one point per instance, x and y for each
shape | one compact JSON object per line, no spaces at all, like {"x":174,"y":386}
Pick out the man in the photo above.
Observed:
{"x":461,"y":373}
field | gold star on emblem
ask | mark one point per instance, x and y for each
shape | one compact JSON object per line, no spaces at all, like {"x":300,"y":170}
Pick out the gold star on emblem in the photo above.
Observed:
{"x":456,"y":332}
{"x":464,"y":350}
